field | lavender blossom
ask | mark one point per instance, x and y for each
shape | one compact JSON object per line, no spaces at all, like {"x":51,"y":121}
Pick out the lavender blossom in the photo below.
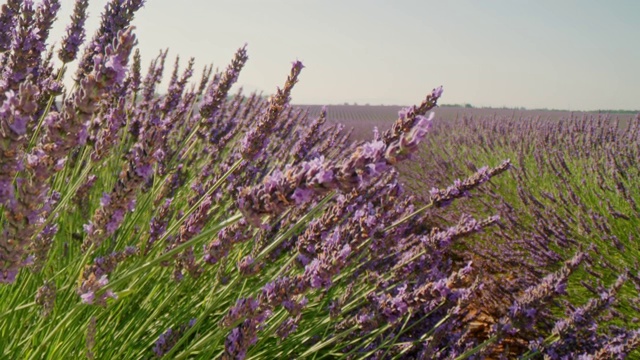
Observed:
{"x":90,"y":286}
{"x":46,"y":297}
{"x":45,"y":16}
{"x":255,"y":139}
{"x":135,"y":78}
{"x":167,"y":340}
{"x":153,"y":78}
{"x":49,"y":155}
{"x":15,"y":112}
{"x":176,"y":87}
{"x":8,"y":15}
{"x":303,"y":146}
{"x":116,"y":17}
{"x":239,"y":340}
{"x":315,"y":178}
{"x":226,"y":238}
{"x":407,"y":117}
{"x":25,"y":51}
{"x":441,"y":198}
{"x":216,"y":95}
{"x":95,"y":277}
{"x":191,"y":227}
{"x":75,"y":35}
{"x":159,"y":224}
{"x":287,"y":327}
{"x":122,"y":197}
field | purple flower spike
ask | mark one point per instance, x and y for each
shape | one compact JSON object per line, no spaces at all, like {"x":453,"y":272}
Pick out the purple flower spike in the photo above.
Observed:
{"x":116,"y":17}
{"x":8,"y":15}
{"x":167,"y":340}
{"x":75,"y":32}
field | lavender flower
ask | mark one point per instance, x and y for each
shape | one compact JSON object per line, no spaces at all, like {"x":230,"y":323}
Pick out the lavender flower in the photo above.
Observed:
{"x":167,"y":340}
{"x":8,"y":15}
{"x":288,"y":327}
{"x":90,"y":286}
{"x":159,"y":224}
{"x":75,"y":32}
{"x":255,"y":140}
{"x":407,"y":117}
{"x":95,"y":277}
{"x":46,"y":297}
{"x":226,"y":238}
{"x":303,"y":146}
{"x":310,"y":179}
{"x":441,"y":198}
{"x":191,"y":227}
{"x":216,"y":95}
{"x":15,"y":112}
{"x":116,"y":17}
{"x":25,"y":51}
{"x":239,"y":341}
{"x":45,"y":16}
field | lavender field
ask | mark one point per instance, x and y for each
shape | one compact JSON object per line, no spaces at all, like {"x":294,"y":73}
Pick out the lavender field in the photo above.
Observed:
{"x":363,"y":118}
{"x":197,"y":221}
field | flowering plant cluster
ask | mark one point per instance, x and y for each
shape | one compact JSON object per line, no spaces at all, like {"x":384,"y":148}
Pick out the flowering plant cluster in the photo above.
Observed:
{"x":566,"y":246}
{"x":199,"y":223}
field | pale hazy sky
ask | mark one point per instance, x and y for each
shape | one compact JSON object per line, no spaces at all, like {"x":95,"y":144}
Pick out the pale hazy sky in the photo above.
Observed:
{"x":568,"y":54}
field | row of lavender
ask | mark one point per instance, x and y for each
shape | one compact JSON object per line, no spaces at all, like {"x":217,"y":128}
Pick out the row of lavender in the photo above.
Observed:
{"x":571,"y":196}
{"x":203,"y":224}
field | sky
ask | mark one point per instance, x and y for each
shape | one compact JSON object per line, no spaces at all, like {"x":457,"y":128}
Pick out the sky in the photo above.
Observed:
{"x":561,"y":54}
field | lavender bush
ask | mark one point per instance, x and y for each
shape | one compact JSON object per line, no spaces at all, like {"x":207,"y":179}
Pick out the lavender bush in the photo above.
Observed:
{"x":195,"y":223}
{"x":570,"y":198}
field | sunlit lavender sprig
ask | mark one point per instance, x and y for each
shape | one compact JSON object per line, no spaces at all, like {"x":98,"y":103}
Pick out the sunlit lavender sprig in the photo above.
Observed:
{"x":159,"y":224}
{"x":153,"y":77}
{"x":241,"y":338}
{"x":331,"y":141}
{"x":318,"y":274}
{"x":41,"y":246}
{"x":49,"y":155}
{"x":309,"y":241}
{"x":134,"y":79}
{"x":110,"y":123}
{"x":108,"y":73}
{"x":75,"y":32}
{"x":407,"y":117}
{"x":441,"y":198}
{"x":45,"y":16}
{"x":116,"y":17}
{"x":300,"y":183}
{"x":466,"y":226}
{"x":224,"y":241}
{"x":177,"y":87}
{"x":26,"y":47}
{"x":617,"y":348}
{"x":255,"y":139}
{"x":303,"y":146}
{"x":217,"y":94}
{"x":530,"y":307}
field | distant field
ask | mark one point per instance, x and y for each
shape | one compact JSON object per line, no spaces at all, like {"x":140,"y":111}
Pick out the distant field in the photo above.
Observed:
{"x":364,"y":117}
